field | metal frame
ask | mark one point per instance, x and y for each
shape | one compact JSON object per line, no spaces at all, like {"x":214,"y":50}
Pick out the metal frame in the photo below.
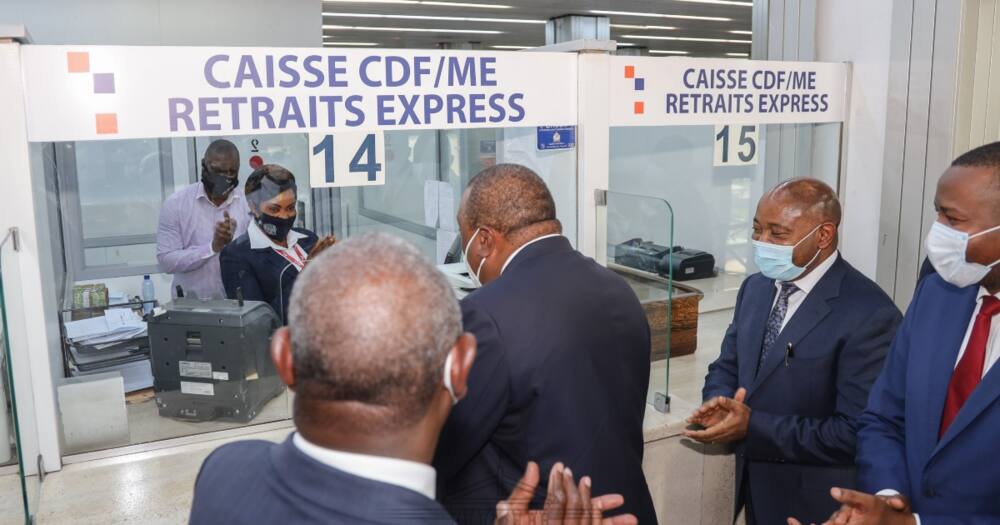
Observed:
{"x":73,"y":241}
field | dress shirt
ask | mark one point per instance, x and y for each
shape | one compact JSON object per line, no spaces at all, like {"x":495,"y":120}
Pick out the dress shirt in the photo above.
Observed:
{"x":804,"y":285}
{"x":992,"y":355}
{"x":184,"y":238}
{"x":259,"y":239}
{"x":417,"y":477}
{"x":525,"y":245}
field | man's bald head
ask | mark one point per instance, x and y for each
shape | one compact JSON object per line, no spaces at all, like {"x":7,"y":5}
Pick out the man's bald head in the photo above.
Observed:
{"x":508,"y":198}
{"x":371,"y":323}
{"x":812,"y":197}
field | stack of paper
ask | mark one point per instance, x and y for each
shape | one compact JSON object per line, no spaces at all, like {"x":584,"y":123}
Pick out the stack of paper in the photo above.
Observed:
{"x":115,"y":326}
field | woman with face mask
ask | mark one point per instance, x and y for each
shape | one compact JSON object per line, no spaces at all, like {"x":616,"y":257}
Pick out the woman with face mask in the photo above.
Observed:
{"x":263,"y":263}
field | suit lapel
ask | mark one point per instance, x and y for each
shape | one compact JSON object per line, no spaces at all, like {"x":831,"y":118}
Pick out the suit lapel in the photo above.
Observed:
{"x":952,"y":330}
{"x":811,"y":312}
{"x":756,"y":324}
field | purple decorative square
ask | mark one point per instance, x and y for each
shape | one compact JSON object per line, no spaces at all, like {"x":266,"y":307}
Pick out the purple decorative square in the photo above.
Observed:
{"x":640,"y":84}
{"x":104,"y":82}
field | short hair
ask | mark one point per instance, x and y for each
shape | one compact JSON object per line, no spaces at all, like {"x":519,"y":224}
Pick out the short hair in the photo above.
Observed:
{"x":372,"y":321}
{"x":985,"y":156}
{"x":508,"y":197}
{"x":815,"y":196}
{"x":221,"y":147}
{"x":281,"y":178}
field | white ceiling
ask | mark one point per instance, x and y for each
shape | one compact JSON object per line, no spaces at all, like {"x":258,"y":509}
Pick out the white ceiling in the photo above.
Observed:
{"x":388,"y":28}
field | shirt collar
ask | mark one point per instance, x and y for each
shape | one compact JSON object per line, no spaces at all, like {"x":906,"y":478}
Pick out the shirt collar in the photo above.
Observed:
{"x":525,"y":245}
{"x":417,"y":477}
{"x":807,"y":283}
{"x":259,"y":240}
{"x":983,"y":292}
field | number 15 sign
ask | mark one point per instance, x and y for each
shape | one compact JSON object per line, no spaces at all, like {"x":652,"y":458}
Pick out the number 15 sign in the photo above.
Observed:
{"x":346,"y":159}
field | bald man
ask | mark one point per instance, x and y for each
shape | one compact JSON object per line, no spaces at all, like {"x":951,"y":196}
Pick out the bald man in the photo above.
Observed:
{"x":375,"y":353}
{"x":563,"y":363}
{"x":808,"y":338}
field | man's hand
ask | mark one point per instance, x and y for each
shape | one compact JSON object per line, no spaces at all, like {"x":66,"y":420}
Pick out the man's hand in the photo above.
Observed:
{"x":321,"y":245}
{"x":224,"y":231}
{"x":725,"y":420}
{"x":858,"y":508}
{"x":566,"y":502}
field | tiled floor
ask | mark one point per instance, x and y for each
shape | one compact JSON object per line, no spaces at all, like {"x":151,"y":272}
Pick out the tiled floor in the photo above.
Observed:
{"x":155,"y":487}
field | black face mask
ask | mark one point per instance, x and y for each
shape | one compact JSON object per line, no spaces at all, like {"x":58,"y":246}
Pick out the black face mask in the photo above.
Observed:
{"x":275,"y":227}
{"x":217,"y":186}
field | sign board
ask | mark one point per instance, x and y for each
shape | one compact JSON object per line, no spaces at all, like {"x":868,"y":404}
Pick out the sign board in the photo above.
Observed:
{"x":556,"y":137}
{"x":124,"y":92}
{"x":736,"y":145}
{"x":651,"y":91}
{"x":349,"y":158}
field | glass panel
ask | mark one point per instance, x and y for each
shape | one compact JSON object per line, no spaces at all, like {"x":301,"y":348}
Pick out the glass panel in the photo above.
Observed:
{"x":640,"y":233}
{"x":18,"y":494}
{"x":205,"y":366}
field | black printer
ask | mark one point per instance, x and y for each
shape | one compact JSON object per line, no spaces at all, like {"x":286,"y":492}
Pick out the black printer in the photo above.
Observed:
{"x":649,"y":257}
{"x":211,"y":360}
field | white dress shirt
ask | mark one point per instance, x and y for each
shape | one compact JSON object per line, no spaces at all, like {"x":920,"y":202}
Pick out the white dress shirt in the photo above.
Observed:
{"x":992,"y":355}
{"x":525,"y":245}
{"x":804,"y":285}
{"x":411,"y":475}
{"x":259,"y":239}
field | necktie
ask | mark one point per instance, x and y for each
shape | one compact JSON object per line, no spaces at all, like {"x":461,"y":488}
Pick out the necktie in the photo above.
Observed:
{"x":969,"y":370}
{"x":775,"y":320}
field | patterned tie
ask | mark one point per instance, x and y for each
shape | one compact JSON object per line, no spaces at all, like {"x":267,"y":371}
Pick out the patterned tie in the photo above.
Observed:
{"x":775,"y":319}
{"x":969,"y":370}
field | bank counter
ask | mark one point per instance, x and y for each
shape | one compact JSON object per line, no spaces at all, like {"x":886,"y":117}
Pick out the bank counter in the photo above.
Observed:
{"x":105,"y":356}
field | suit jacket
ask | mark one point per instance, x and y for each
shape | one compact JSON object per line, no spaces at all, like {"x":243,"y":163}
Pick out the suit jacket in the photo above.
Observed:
{"x":951,"y":480}
{"x":802,"y":434}
{"x":561,"y":374}
{"x":258,"y":272}
{"x":260,"y":482}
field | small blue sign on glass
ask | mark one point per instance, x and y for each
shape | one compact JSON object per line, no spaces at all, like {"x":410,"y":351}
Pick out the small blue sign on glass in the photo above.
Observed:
{"x":556,"y":137}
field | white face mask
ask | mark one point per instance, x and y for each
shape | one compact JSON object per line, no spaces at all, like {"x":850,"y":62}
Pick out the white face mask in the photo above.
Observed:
{"x":946,"y":248}
{"x":447,"y":379}
{"x":474,"y":275}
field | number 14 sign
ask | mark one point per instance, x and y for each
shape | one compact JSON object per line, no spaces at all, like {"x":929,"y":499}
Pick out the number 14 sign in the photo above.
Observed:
{"x":346,"y":159}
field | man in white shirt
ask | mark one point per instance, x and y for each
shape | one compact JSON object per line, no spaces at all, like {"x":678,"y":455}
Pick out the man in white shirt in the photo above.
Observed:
{"x":375,"y":353}
{"x":927,"y":438}
{"x":808,"y":338}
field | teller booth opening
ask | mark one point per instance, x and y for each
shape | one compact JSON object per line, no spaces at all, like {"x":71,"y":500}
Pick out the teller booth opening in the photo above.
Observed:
{"x":662,"y":193}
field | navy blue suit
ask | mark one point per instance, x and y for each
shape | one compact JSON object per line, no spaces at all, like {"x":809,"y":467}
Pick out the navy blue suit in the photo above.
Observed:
{"x":952,"y":480}
{"x":802,"y":433}
{"x":258,"y":272}
{"x":260,"y":482}
{"x":561,"y":374}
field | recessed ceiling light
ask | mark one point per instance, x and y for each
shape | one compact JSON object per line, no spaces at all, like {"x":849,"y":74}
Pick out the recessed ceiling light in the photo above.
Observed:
{"x":718,"y":2}
{"x":738,"y":32}
{"x":349,"y":44}
{"x":420,"y":2}
{"x":743,"y":55}
{"x":624,"y":44}
{"x":658,"y":15}
{"x":629,"y":26}
{"x":512,"y":47}
{"x":448,"y":18}
{"x":687,"y":39}
{"x":413,"y":29}
{"x":667,"y":52}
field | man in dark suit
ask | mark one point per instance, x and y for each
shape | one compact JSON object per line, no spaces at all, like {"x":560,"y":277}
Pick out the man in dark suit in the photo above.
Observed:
{"x":807,"y":340}
{"x":563,"y":364}
{"x":376,"y":355}
{"x":927,"y":439}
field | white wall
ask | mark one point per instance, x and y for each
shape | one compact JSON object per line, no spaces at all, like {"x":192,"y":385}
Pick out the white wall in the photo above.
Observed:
{"x":843,"y":35}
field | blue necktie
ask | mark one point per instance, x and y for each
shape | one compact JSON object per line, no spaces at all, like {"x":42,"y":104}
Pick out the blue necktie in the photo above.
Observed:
{"x":775,"y":319}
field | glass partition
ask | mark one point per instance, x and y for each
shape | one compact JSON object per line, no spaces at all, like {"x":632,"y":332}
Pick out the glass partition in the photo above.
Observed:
{"x":640,"y":237}
{"x":18,"y":493}
{"x":164,"y":375}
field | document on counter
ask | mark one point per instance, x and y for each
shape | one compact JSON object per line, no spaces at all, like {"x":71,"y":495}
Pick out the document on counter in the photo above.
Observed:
{"x":444,"y":241}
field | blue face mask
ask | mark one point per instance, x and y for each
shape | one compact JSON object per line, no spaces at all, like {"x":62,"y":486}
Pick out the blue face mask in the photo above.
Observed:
{"x":775,"y":260}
